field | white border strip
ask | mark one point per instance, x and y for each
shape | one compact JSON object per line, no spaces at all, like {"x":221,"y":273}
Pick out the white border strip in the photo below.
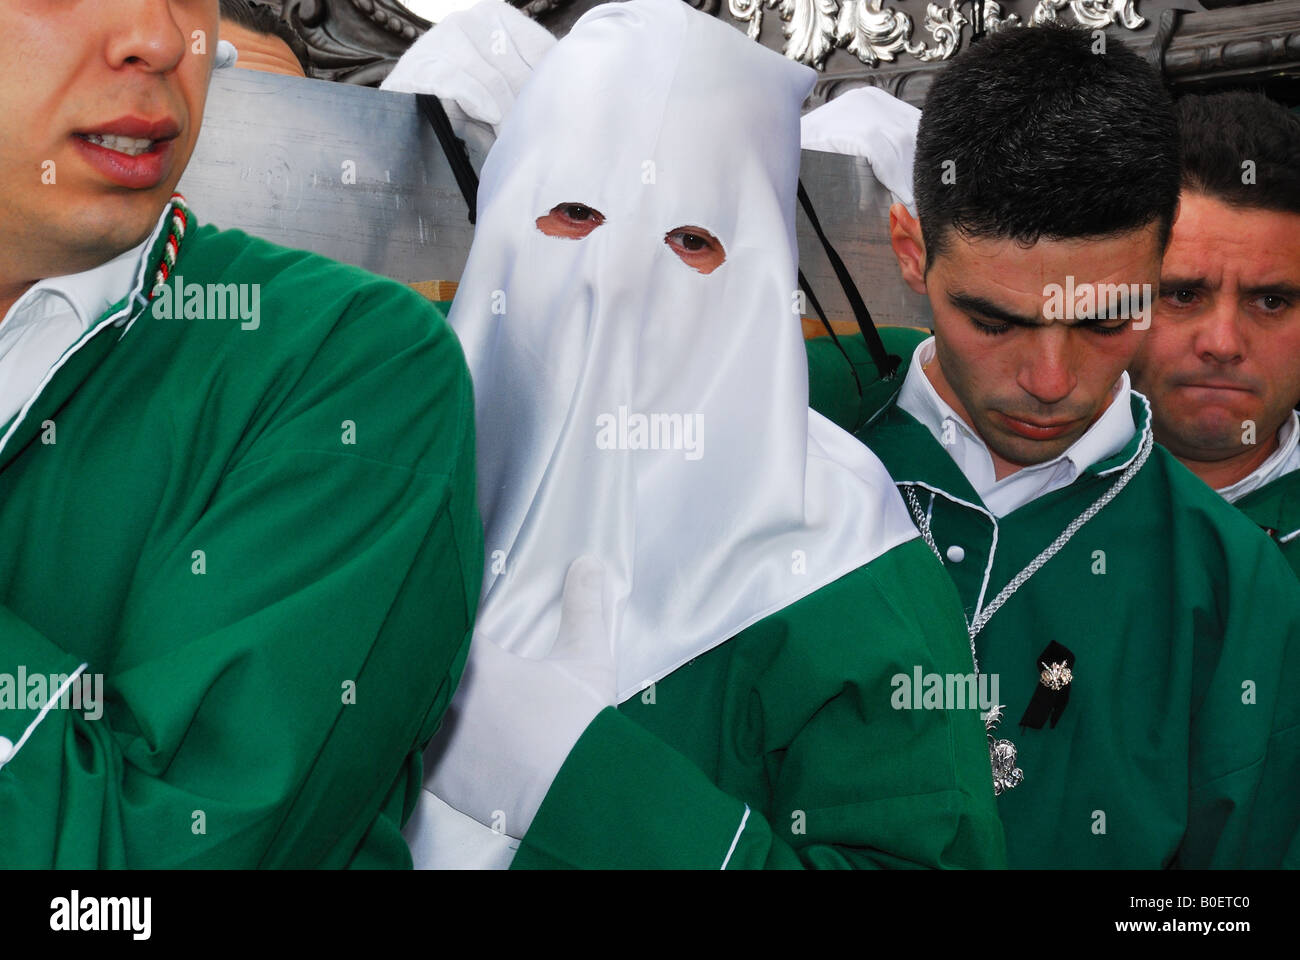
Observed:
{"x":734,"y":840}
{"x":49,"y":705}
{"x":125,"y":311}
{"x":993,"y":547}
{"x":1139,"y":433}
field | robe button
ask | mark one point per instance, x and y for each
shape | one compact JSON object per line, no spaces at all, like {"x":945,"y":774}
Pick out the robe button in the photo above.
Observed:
{"x":956,"y":554}
{"x":6,"y":750}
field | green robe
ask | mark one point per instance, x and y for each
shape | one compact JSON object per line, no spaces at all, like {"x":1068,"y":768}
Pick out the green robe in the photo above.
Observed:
{"x":279,"y":615}
{"x":1180,"y":745}
{"x":1276,"y":508}
{"x":780,"y":747}
{"x":833,"y":392}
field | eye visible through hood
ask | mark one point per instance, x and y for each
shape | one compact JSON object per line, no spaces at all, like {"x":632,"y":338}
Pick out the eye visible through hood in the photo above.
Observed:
{"x":629,"y":313}
{"x":572,"y":221}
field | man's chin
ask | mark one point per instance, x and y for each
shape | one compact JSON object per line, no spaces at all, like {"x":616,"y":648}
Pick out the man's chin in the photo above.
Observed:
{"x":1206,"y":429}
{"x":105,"y":226}
{"x":134,"y":207}
{"x":1208,"y":442}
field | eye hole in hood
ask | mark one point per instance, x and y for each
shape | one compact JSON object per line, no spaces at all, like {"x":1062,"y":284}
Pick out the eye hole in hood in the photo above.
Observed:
{"x":570,"y":221}
{"x":696,"y":247}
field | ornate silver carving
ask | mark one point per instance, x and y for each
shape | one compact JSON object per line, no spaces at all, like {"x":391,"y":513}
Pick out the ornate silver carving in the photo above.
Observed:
{"x":809,"y":29}
{"x":1090,"y":13}
{"x":945,"y":25}
{"x":1002,"y":756}
{"x":749,"y":12}
{"x":874,"y":32}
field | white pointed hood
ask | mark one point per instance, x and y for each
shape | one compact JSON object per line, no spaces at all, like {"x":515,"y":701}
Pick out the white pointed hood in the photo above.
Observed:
{"x":658,"y":117}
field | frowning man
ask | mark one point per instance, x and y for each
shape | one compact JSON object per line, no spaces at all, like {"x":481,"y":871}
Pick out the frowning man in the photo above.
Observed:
{"x":1222,"y":361}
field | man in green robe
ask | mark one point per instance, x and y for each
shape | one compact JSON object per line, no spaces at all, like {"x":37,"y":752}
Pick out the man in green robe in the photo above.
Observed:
{"x":1144,"y":633}
{"x":241,"y":547}
{"x":1222,"y":361}
{"x":746,"y":585}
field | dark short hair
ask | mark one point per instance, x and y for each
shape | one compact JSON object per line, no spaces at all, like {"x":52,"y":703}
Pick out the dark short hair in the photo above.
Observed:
{"x":1047,"y":140}
{"x":261,"y":17}
{"x":1219,"y":132}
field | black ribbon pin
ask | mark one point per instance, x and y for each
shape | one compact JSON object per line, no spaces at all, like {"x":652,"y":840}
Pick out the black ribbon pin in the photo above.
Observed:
{"x":1056,"y":672}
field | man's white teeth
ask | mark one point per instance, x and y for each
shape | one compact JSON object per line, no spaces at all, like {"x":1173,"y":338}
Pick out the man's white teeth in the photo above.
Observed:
{"x":128,"y":145}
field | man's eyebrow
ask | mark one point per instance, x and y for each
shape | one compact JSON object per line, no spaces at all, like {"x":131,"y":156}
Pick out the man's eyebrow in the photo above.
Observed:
{"x":1288,"y":291}
{"x":986,"y":308}
{"x":1184,"y":283}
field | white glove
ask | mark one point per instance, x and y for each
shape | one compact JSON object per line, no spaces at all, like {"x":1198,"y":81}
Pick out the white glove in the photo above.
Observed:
{"x":867,"y":122}
{"x":477,"y":59}
{"x":227,"y":55}
{"x":514,"y":720}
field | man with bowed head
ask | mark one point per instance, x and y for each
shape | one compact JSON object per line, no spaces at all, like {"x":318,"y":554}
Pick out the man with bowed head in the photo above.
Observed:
{"x":1143,"y":631}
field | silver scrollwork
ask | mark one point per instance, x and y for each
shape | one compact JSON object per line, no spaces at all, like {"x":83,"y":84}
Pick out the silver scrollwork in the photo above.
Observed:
{"x":874,"y":32}
{"x":749,"y":12}
{"x":1090,"y":13}
{"x":809,"y":29}
{"x":945,"y":25}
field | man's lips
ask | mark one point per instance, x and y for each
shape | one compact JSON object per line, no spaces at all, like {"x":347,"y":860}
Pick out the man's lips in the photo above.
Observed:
{"x":137,"y":128}
{"x":1036,"y":429}
{"x":1238,"y":387}
{"x":129,"y":151}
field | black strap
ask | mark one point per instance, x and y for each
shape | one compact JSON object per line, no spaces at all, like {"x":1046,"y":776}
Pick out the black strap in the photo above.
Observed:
{"x":821,"y":315}
{"x":453,"y":147}
{"x":886,"y":363}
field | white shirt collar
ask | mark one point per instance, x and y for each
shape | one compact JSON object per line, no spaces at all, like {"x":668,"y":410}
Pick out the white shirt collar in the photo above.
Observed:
{"x":87,"y":294}
{"x":1106,"y":437}
{"x":51,"y":316}
{"x":1279,"y":463}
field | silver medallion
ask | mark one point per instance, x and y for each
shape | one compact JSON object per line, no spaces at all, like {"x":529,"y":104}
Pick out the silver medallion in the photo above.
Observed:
{"x":1055,"y":676}
{"x":1002,"y":754}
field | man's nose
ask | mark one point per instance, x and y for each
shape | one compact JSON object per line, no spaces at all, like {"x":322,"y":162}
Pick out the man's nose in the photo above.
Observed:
{"x":1218,"y":336}
{"x":145,"y":33}
{"x":1047,"y":372}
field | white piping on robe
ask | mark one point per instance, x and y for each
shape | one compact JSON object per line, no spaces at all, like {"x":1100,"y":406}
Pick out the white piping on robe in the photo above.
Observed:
{"x":13,"y":752}
{"x":90,"y":335}
{"x":993,"y":547}
{"x":736,"y":839}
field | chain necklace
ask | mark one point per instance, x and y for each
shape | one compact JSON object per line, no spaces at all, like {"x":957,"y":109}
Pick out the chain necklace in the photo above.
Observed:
{"x":1002,"y":753}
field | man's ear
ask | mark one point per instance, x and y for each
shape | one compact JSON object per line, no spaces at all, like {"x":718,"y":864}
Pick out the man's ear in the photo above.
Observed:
{"x":909,"y":248}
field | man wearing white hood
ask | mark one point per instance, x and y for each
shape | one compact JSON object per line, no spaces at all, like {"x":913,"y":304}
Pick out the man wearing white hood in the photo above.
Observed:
{"x":749,"y":588}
